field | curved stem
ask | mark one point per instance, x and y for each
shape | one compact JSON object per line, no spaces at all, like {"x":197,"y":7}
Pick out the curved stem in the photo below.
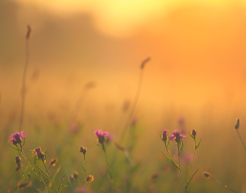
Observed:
{"x":23,"y":91}
{"x":109,"y":168}
{"x":22,"y":152}
{"x":192,"y":162}
{"x":30,"y":180}
{"x":222,"y":184}
{"x":133,"y":106}
{"x":181,"y":174}
{"x":49,"y":175}
{"x":241,"y":139}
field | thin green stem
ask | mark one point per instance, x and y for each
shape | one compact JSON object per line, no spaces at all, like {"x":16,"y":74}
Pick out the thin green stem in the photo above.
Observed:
{"x":222,"y":184}
{"x":109,"y":168}
{"x":30,"y":180}
{"x":241,"y":139}
{"x":22,"y":152}
{"x":23,"y":91}
{"x":181,"y":174}
{"x":133,"y":106}
{"x":49,"y":175}
{"x":86,"y":184}
{"x":190,"y":168}
{"x":168,"y":152}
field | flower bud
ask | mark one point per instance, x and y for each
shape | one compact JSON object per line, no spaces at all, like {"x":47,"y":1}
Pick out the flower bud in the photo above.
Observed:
{"x":83,"y":150}
{"x":237,"y":124}
{"x":206,"y":174}
{"x":18,"y":160}
{"x":193,"y":132}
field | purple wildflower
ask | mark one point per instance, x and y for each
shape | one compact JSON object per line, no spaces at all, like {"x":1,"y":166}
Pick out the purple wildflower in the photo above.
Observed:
{"x":171,"y":137}
{"x":176,"y":136}
{"x":17,"y":137}
{"x":101,"y":135}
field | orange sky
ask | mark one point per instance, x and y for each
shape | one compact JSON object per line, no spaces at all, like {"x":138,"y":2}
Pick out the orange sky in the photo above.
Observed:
{"x":197,"y":51}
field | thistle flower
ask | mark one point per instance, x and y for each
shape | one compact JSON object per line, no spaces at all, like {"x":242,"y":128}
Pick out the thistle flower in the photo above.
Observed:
{"x":176,"y":136}
{"x":83,"y":150}
{"x":237,"y":124}
{"x":101,"y":135}
{"x":89,"y":179}
{"x":39,"y":153}
{"x":17,"y":137}
{"x":53,"y":162}
{"x":18,"y":161}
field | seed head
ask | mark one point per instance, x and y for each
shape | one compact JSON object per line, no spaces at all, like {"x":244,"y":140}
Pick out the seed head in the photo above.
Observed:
{"x":206,"y":174}
{"x":53,"y":162}
{"x":89,"y":179}
{"x":237,"y":124}
{"x":29,"y":31}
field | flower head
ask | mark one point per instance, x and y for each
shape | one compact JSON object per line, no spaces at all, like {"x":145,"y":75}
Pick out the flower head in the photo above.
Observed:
{"x":206,"y":174}
{"x":17,"y":137}
{"x":193,"y":133}
{"x":101,"y":135}
{"x":53,"y":162}
{"x":39,"y":153}
{"x":164,"y":135}
{"x":176,"y":136}
{"x":89,"y":179}
{"x":83,"y":150}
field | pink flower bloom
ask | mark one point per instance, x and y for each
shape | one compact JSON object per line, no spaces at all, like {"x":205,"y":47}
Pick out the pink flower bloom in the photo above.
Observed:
{"x":171,"y":137}
{"x":17,"y":137}
{"x":101,"y":135}
{"x":165,"y":132}
{"x":176,"y":136}
{"x":176,"y":133}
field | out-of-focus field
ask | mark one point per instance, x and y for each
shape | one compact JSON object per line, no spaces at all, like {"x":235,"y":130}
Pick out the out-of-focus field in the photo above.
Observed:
{"x":197,"y":73}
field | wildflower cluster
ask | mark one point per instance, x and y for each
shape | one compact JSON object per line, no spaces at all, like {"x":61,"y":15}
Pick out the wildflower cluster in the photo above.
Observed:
{"x":178,"y":138}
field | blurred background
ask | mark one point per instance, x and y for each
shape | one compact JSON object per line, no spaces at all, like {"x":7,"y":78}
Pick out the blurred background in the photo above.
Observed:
{"x":84,"y":68}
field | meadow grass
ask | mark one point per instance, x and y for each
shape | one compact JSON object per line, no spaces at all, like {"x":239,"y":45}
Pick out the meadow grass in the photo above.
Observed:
{"x":61,"y":166}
